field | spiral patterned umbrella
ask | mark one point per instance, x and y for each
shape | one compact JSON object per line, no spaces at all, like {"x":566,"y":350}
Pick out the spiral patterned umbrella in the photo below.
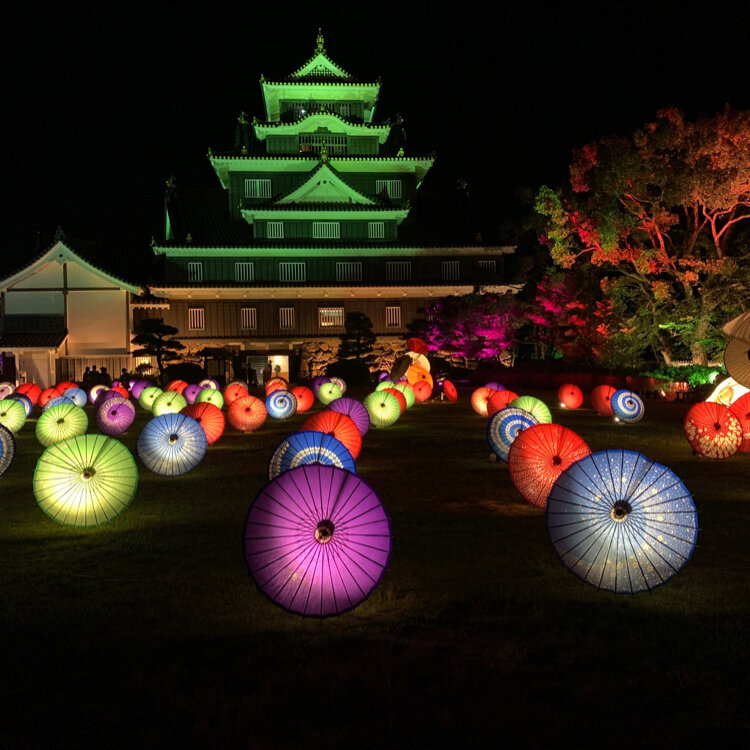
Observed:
{"x":305,"y":397}
{"x":329,"y":392}
{"x":76,"y":395}
{"x":504,"y":427}
{"x":338,"y":425}
{"x":209,"y":417}
{"x":570,"y":395}
{"x":30,"y":390}
{"x":115,"y":416}
{"x":172,"y":444}
{"x":281,"y":404}
{"x":85,"y":481}
{"x":354,"y":409}
{"x":407,"y":392}
{"x":169,"y":402}
{"x":6,"y":389}
{"x":12,"y":414}
{"x":601,"y":400}
{"x":383,"y":408}
{"x":450,"y":390}
{"x":534,"y":406}
{"x":210,"y":396}
{"x":479,"y":400}
{"x":233,"y":391}
{"x":247,"y":413}
{"x":741,"y":410}
{"x":22,"y":399}
{"x":148,"y":396}
{"x":539,"y":455}
{"x":621,"y":522}
{"x":60,"y":423}
{"x":712,"y":430}
{"x":422,"y":391}
{"x":309,"y":447}
{"x":190,"y":393}
{"x":7,"y":449}
{"x":317,"y":540}
{"x":627,"y":406}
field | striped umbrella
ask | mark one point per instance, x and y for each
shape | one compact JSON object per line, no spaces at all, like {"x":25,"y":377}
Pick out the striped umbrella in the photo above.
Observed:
{"x":533,"y":406}
{"x":570,"y":395}
{"x":12,"y":414}
{"x":741,"y":410}
{"x":627,"y":406}
{"x":172,"y":444}
{"x":209,"y":417}
{"x":115,"y":416}
{"x":504,"y":427}
{"x":338,"y":425}
{"x":354,"y":409}
{"x":168,"y":402}
{"x":309,"y":447}
{"x":281,"y":404}
{"x":85,"y":481}
{"x":60,"y":423}
{"x":210,"y":396}
{"x":621,"y":522}
{"x":247,"y":413}
{"x":601,"y":398}
{"x":712,"y":430}
{"x":7,"y":449}
{"x":305,"y":397}
{"x":382,"y":407}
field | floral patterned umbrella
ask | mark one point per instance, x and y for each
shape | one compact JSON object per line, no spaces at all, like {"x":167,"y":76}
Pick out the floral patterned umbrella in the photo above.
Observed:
{"x":247,"y":413}
{"x":712,"y":430}
{"x":741,"y":410}
{"x":281,"y":404}
{"x":305,"y":397}
{"x":60,"y":423}
{"x":172,"y":444}
{"x":309,"y":447}
{"x":382,"y":407}
{"x":7,"y":449}
{"x":354,"y":409}
{"x":317,"y":540}
{"x":570,"y":395}
{"x":621,"y":522}
{"x":12,"y":414}
{"x":534,"y":406}
{"x":601,"y":400}
{"x":627,"y":406}
{"x":338,"y":425}
{"x":209,"y":417}
{"x":504,"y":427}
{"x":115,"y":416}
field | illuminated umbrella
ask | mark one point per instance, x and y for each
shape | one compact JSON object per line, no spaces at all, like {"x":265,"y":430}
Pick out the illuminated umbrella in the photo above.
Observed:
{"x":6,"y":389}
{"x":382,"y":407}
{"x":169,"y":402}
{"x":121,"y":389}
{"x":329,"y":392}
{"x":209,"y":383}
{"x":309,"y":447}
{"x":504,"y":427}
{"x":7,"y":449}
{"x":85,"y":481}
{"x":498,"y":400}
{"x":247,"y":413}
{"x":317,"y":540}
{"x":276,"y":384}
{"x":96,"y":390}
{"x":399,"y":397}
{"x":416,"y":373}
{"x":383,"y":384}
{"x":739,"y":327}
{"x":570,"y":395}
{"x":104,"y":395}
{"x":601,"y":400}
{"x":191,"y":392}
{"x":12,"y":414}
{"x":172,"y":444}
{"x":422,"y":390}
{"x":47,"y":395}
{"x":60,"y":423}
{"x":115,"y":416}
{"x":57,"y":401}
{"x":741,"y":410}
{"x":148,"y":396}
{"x":712,"y":430}
{"x":209,"y":417}
{"x":76,"y":395}
{"x":339,"y":425}
{"x":305,"y":397}
{"x":450,"y":390}
{"x":281,"y":404}
{"x":400,"y":366}
{"x":317,"y":381}
{"x":727,"y":392}
{"x":539,"y":455}
{"x":621,"y":522}
{"x":64,"y":385}
{"x":30,"y":390}
{"x":534,"y":406}
{"x":479,"y":399}
{"x":340,"y":382}
{"x":178,"y":386}
{"x":210,"y":396}
{"x":407,"y":392}
{"x":495,"y":385}
{"x":233,"y":391}
{"x":420,"y":360}
{"x":354,"y":409}
{"x":417,"y":345}
{"x":383,"y":375}
{"x":737,"y":360}
{"x":137,"y":388}
{"x":627,"y":406}
{"x":22,"y":399}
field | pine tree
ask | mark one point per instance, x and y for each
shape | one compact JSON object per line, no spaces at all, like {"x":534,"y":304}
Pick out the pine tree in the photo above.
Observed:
{"x":155,"y":339}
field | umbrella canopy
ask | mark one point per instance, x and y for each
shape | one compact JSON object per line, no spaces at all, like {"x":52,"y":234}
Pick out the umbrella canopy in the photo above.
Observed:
{"x":64,"y":385}
{"x":191,"y":392}
{"x":407,"y":392}
{"x":169,"y":402}
{"x":712,"y":430}
{"x":627,"y":406}
{"x":317,"y":381}
{"x":276,"y":384}
{"x":137,"y":388}
{"x":281,"y":404}
{"x":115,"y":416}
{"x":480,"y":398}
{"x":57,"y":401}
{"x":739,"y":327}
{"x":247,"y":413}
{"x":621,"y":522}
{"x":737,"y":360}
{"x":534,"y":406}
{"x":85,"y":481}
{"x":12,"y":414}
{"x":422,"y":390}
{"x":95,"y":390}
{"x":400,"y":366}
{"x":570,"y":395}
{"x":382,"y":407}
{"x":505,"y":426}
{"x":601,"y":400}
{"x":329,"y":392}
{"x":309,"y":447}
{"x":212,"y":383}
{"x":317,"y":540}
{"x":210,"y":396}
{"x":415,"y":374}
{"x":399,"y":397}
{"x":76,"y":395}
{"x":354,"y":409}
{"x":31,"y":390}
{"x":340,"y":382}
{"x":499,"y":400}
{"x":178,"y":386}
{"x":7,"y":449}
{"x":417,"y":345}
{"x":148,"y":396}
{"x":495,"y":385}
{"x":741,"y":410}
{"x":233,"y":391}
{"x":60,"y":423}
{"x":339,"y":425}
{"x":383,"y":384}
{"x":727,"y":392}
{"x":305,"y":397}
{"x":539,"y":455}
{"x":22,"y":399}
{"x":172,"y":444}
{"x":121,"y":389}
{"x":209,"y":417}
{"x":450,"y":390}
{"x":47,"y":395}
{"x":6,"y":389}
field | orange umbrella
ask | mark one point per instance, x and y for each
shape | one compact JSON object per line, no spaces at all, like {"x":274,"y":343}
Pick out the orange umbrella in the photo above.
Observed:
{"x":450,"y":390}
{"x":209,"y":417}
{"x":305,"y":397}
{"x":399,"y":397}
{"x":600,"y":400}
{"x":422,"y":390}
{"x":712,"y":430}
{"x":415,"y":374}
{"x":178,"y":386}
{"x":480,"y":398}
{"x":339,"y":425}
{"x":499,"y":400}
{"x":741,"y":409}
{"x":32,"y":390}
{"x":247,"y":413}
{"x":539,"y":455}
{"x":234,"y":391}
{"x":570,"y":395}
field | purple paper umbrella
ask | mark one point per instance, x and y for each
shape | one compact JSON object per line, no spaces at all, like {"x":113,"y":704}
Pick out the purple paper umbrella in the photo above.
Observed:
{"x":137,"y":388}
{"x":354,"y":409}
{"x":191,"y":392}
{"x":317,"y":540}
{"x":115,"y":415}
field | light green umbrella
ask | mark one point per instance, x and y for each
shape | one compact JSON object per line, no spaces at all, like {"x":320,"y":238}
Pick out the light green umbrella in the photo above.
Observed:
{"x":536,"y":407}
{"x":61,"y":422}
{"x":85,"y":481}
{"x":12,"y":414}
{"x":383,"y":408}
{"x":329,"y":392}
{"x":383,"y":384}
{"x":408,"y":393}
{"x":148,"y":396}
{"x":169,"y":402}
{"x":210,"y":396}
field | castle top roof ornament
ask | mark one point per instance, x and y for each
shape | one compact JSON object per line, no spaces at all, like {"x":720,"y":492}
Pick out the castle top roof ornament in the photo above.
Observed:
{"x":320,"y":44}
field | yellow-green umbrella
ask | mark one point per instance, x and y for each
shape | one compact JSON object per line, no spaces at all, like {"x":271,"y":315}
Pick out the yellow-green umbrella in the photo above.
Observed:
{"x":169,"y":402}
{"x":61,"y":422}
{"x":12,"y":414}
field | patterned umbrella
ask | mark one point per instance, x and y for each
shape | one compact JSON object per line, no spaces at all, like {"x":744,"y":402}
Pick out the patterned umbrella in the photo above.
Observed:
{"x":407,"y":392}
{"x":169,"y":402}
{"x":172,"y":444}
{"x":12,"y":414}
{"x":539,"y":455}
{"x":233,"y":391}
{"x":338,"y":425}
{"x":178,"y":386}
{"x":7,"y":449}
{"x":354,"y":409}
{"x":209,"y":417}
{"x":60,"y":423}
{"x":422,"y":391}
{"x":712,"y":430}
{"x":247,"y":413}
{"x":76,"y":395}
{"x":627,"y":406}
{"x":6,"y":389}
{"x":480,"y":398}
{"x":96,"y":390}
{"x":305,"y":397}
{"x":570,"y":395}
{"x":741,"y":410}
{"x":148,"y":396}
{"x":737,"y":360}
{"x":115,"y":416}
{"x":281,"y":404}
{"x":31,"y":390}
{"x":329,"y":392}
{"x":450,"y":391}
{"x":621,"y":522}
{"x":534,"y":406}
{"x":309,"y":447}
{"x":504,"y":427}
{"x":499,"y":400}
{"x":317,"y":540}
{"x":191,"y":392}
{"x":601,"y":400}
{"x":85,"y":481}
{"x":382,"y":407}
{"x":22,"y":399}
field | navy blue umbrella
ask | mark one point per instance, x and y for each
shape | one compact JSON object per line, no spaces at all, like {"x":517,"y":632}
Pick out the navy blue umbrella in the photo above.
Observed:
{"x":7,"y":449}
{"x":310,"y":447}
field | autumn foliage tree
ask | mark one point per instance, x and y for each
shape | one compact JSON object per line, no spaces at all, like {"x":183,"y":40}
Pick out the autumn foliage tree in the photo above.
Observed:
{"x":662,"y":214}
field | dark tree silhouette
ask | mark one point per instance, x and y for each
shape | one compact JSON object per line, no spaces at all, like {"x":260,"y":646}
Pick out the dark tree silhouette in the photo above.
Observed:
{"x":154,"y":338}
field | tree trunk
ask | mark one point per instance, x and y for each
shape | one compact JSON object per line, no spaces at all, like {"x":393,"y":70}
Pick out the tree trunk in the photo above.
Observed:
{"x":698,"y":352}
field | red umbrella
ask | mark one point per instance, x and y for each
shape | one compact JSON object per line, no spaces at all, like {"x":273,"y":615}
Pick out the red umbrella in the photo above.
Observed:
{"x":399,"y":397}
{"x":31,"y":390}
{"x":62,"y":387}
{"x":450,"y":390}
{"x":539,"y":455}
{"x":247,"y":413}
{"x":712,"y":430}
{"x":339,"y":425}
{"x":600,"y":400}
{"x":234,"y":391}
{"x":178,"y":386}
{"x":209,"y":417}
{"x":47,"y":395}
{"x":480,"y":398}
{"x":741,"y":409}
{"x":417,"y":345}
{"x":305,"y":397}
{"x":276,"y":384}
{"x":570,"y":395}
{"x":499,"y":400}
{"x":422,"y":390}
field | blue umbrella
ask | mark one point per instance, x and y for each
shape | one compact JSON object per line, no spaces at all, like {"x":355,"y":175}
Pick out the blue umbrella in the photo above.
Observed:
{"x":172,"y":444}
{"x":25,"y":400}
{"x":7,"y":449}
{"x":77,"y":396}
{"x":281,"y":404}
{"x":504,"y":427}
{"x":627,"y":406}
{"x":310,"y":447}
{"x":57,"y":401}
{"x":621,"y":522}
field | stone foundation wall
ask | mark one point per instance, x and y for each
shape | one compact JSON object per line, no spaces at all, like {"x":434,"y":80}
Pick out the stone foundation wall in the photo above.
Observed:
{"x":317,"y":355}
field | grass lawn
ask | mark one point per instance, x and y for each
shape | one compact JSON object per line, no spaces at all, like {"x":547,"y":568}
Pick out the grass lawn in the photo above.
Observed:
{"x":149,"y":632}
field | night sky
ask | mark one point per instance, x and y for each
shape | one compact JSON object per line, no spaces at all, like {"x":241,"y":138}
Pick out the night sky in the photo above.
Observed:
{"x":102,"y":102}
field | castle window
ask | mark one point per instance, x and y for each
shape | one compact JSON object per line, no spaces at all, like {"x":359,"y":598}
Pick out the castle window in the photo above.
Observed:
{"x":243,"y":272}
{"x":196,"y":319}
{"x":314,"y":143}
{"x":195,"y":271}
{"x":392,"y":188}
{"x":349,"y":271}
{"x":345,"y":109}
{"x":257,"y":188}
{"x":488,"y":265}
{"x":275,"y":230}
{"x":292,"y":271}
{"x":399,"y":270}
{"x":286,"y":318}
{"x":248,"y":317}
{"x":326,"y":230}
{"x":450,"y":270}
{"x":330,"y":317}
{"x":375,"y":230}
{"x":393,"y":316}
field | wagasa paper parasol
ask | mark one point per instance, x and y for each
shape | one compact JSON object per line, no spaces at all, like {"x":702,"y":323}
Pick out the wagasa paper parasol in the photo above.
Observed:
{"x":627,"y":406}
{"x":712,"y":430}
{"x":115,"y":416}
{"x":737,"y":361}
{"x":281,"y":404}
{"x":450,"y":390}
{"x":210,"y":396}
{"x":600,"y":400}
{"x":309,"y":447}
{"x":172,"y":444}
{"x":178,"y":386}
{"x":76,"y":395}
{"x":407,"y":392}
{"x":148,"y":396}
{"x":499,"y":400}
{"x":305,"y":397}
{"x":137,"y":388}
{"x":191,"y":392}
{"x":95,"y":390}
{"x":60,"y":423}
{"x":339,"y":425}
{"x":329,"y":392}
{"x":7,"y":449}
{"x":399,"y":397}
{"x":741,"y":410}
{"x":12,"y":414}
{"x":480,"y":398}
{"x":209,"y":417}
{"x":417,"y":345}
{"x":382,"y":407}
{"x":340,"y":382}
{"x":247,"y":413}
{"x":534,"y":406}
{"x":6,"y":389}
{"x":504,"y":427}
{"x":400,"y":366}
{"x":233,"y":391}
{"x":22,"y":399}
{"x":47,"y":395}
{"x":30,"y":390}
{"x":169,"y":402}
{"x":354,"y":409}
{"x":570,"y":395}
{"x":422,"y":390}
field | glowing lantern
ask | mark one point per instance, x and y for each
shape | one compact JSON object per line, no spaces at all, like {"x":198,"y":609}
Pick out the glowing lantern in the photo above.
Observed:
{"x":12,"y":414}
{"x":60,"y":423}
{"x":498,"y":400}
{"x":504,"y":427}
{"x":7,"y":449}
{"x":169,"y":402}
{"x":536,"y":407}
{"x":627,"y":406}
{"x":408,"y":393}
{"x":172,"y":444}
{"x":422,"y":390}
{"x":281,"y":404}
{"x":309,"y":447}
{"x":727,"y":392}
{"x":354,"y":409}
{"x":46,"y":395}
{"x":479,"y":399}
{"x":570,"y":395}
{"x":338,"y":425}
{"x":305,"y":397}
{"x":178,"y":386}
{"x":450,"y":390}
{"x":383,"y":408}
{"x":191,"y":392}
{"x":741,"y":410}
{"x":148,"y":396}
{"x":601,"y":398}
{"x":712,"y":430}
{"x":210,"y":396}
{"x":209,"y":417}
{"x":233,"y":391}
{"x":115,"y":416}
{"x":247,"y":413}
{"x":329,"y":392}
{"x":30,"y":390}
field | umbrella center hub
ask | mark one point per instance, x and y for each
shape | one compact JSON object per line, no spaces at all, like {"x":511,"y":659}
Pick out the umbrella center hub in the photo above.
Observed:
{"x":556,"y":460}
{"x":87,"y":474}
{"x":717,"y":427}
{"x":620,"y":510}
{"x":324,"y":532}
{"x":61,"y":421}
{"x":173,"y":439}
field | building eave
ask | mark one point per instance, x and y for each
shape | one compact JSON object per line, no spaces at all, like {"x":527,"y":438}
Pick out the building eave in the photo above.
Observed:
{"x":281,"y":251}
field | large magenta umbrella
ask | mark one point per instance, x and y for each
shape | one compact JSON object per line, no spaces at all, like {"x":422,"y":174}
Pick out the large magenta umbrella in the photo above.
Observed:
{"x":317,"y":540}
